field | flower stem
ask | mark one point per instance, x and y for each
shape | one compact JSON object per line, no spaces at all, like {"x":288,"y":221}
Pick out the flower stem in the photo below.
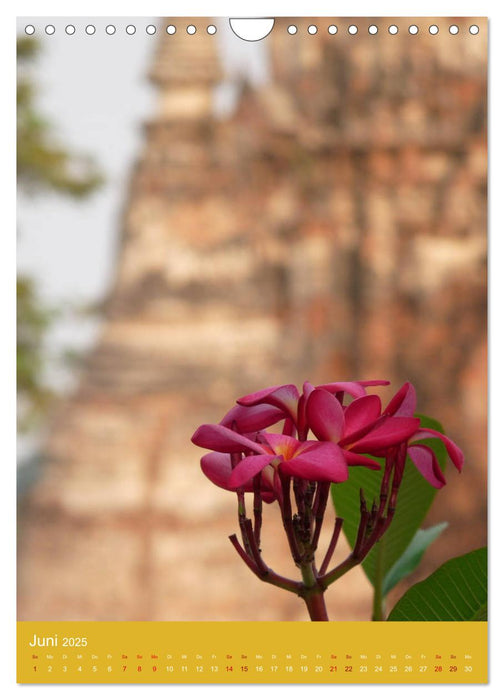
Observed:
{"x":287,"y":519}
{"x":321,"y":498}
{"x":340,"y":570}
{"x":378,"y":607}
{"x":312,"y":593}
{"x":265,"y":574}
{"x":332,"y":545}
{"x":316,"y":607}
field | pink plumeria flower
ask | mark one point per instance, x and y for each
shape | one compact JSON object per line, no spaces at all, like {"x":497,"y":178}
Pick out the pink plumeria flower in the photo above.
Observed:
{"x":358,"y":428}
{"x":311,"y":460}
{"x":422,"y":456}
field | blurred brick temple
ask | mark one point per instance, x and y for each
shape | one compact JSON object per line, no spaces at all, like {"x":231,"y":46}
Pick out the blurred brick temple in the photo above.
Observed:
{"x":332,"y":227}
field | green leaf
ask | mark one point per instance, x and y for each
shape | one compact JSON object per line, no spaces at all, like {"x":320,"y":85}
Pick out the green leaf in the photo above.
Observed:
{"x":481,"y":615}
{"x":414,"y":500}
{"x":412,"y":556}
{"x":456,"y":591}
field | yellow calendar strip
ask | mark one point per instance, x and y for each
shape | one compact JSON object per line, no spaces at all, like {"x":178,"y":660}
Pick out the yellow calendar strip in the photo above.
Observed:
{"x":252,"y":652}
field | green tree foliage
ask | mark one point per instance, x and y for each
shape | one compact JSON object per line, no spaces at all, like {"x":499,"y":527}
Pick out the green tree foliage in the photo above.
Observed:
{"x":43,"y":164}
{"x":32,"y":322}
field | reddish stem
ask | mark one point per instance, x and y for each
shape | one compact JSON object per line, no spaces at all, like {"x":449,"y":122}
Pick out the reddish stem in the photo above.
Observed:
{"x":332,"y":545}
{"x":257,"y":509}
{"x":268,"y":575}
{"x":316,"y":607}
{"x":287,"y":519}
{"x":323,"y":494}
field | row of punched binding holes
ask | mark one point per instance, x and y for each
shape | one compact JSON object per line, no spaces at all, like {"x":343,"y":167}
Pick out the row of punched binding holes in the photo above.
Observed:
{"x":130,"y":29}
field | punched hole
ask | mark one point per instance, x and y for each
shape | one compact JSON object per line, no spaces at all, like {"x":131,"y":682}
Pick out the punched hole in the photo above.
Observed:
{"x":251,"y":29}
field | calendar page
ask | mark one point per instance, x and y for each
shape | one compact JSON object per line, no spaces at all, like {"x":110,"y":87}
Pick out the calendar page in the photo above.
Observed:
{"x":252,"y":350}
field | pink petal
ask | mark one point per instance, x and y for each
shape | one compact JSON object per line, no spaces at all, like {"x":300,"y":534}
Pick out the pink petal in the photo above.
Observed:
{"x":283,"y":397}
{"x":222,"y":439}
{"x":355,"y":389}
{"x":318,"y":462}
{"x":249,"y":419}
{"x":454,"y":452}
{"x":353,"y":438}
{"x":283,"y":445}
{"x":356,"y":460}
{"x":403,"y":403}
{"x":301,"y":416}
{"x":268,"y":496}
{"x":389,"y":433}
{"x":324,"y":415}
{"x":374,"y":382}
{"x":289,"y":427}
{"x":217,"y":467}
{"x":258,"y":396}
{"x":362,"y":412}
{"x":247,"y":469}
{"x":425,"y":461}
{"x":307,"y":389}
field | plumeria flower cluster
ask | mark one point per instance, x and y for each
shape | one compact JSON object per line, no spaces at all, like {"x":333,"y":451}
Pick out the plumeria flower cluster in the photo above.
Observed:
{"x":315,"y":436}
